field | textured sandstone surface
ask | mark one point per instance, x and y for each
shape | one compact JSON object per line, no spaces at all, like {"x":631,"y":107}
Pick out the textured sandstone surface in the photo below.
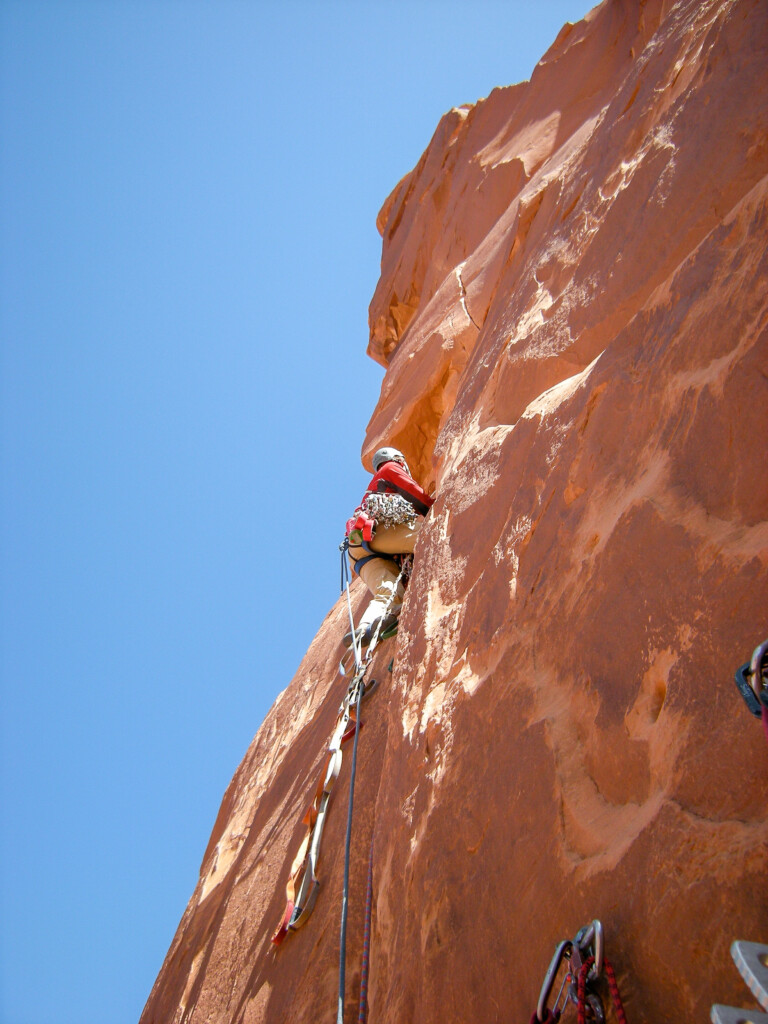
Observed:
{"x":573,"y":313}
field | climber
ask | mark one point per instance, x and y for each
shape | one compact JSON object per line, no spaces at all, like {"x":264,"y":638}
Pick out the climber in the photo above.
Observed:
{"x":384,"y":527}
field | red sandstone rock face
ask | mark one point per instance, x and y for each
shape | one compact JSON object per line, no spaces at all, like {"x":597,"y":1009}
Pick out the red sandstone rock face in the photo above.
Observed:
{"x":573,"y":312}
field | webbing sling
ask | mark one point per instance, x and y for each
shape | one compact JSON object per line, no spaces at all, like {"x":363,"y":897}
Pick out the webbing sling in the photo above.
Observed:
{"x":302,"y":886}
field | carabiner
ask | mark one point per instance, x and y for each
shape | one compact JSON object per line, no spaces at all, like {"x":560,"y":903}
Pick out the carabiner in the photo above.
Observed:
{"x":591,"y":937}
{"x":756,"y":669}
{"x":562,"y":952}
{"x":751,"y":683}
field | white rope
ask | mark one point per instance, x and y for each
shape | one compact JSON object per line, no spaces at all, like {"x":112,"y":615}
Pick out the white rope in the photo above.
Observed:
{"x":357,"y":644}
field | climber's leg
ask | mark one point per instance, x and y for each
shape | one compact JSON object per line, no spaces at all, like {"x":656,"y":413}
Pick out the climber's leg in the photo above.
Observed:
{"x":396,"y":540}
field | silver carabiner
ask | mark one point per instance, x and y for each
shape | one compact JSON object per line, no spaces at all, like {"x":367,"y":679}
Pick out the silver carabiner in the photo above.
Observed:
{"x":561,"y":953}
{"x":592,"y":936}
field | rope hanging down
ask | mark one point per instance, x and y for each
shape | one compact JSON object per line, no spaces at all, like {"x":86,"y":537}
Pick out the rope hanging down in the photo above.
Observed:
{"x":612,"y":985}
{"x":303,"y":883}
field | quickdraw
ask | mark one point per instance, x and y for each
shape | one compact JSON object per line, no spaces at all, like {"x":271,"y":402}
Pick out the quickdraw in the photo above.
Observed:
{"x":586,"y":963}
{"x":303,"y":883}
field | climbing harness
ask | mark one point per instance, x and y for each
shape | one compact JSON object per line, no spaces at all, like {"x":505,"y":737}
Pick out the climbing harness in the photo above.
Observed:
{"x":752,"y":681}
{"x":751,"y":958}
{"x":585,"y":959}
{"x":303,"y":883}
{"x":361,"y":536}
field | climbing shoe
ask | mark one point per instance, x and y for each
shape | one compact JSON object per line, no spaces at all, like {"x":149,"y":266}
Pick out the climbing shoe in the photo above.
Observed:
{"x":365,"y":634}
{"x":362,"y":636}
{"x":388,"y":626}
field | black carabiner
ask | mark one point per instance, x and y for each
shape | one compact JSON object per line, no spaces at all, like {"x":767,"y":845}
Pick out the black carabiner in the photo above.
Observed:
{"x":751,"y":680}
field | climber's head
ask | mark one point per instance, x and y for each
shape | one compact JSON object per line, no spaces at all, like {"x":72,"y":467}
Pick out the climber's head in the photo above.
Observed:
{"x":388,"y":455}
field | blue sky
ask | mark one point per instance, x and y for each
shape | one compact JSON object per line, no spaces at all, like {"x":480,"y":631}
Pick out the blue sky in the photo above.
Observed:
{"x":188,"y":194}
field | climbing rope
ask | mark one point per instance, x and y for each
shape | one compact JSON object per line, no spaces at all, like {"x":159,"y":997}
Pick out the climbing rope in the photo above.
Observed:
{"x":612,"y":986}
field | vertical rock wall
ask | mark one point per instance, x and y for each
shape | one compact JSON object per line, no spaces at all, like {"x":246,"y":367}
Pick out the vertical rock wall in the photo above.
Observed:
{"x":573,"y":313}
